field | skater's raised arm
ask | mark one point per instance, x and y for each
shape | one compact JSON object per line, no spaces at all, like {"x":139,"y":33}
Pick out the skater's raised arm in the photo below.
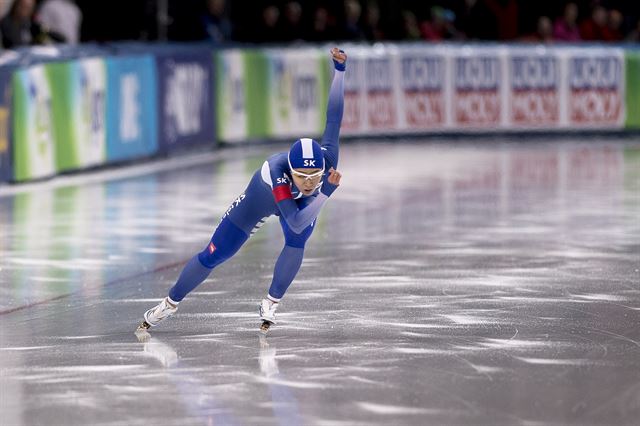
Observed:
{"x":335,"y":108}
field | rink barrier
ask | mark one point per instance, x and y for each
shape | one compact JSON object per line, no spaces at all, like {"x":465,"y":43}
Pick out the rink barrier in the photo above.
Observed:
{"x":64,"y":109}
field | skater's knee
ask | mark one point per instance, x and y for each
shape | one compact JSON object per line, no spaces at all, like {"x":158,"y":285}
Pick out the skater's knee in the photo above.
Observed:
{"x":298,"y":240}
{"x":211,"y":257}
{"x":226,"y":241}
{"x":206,"y":260}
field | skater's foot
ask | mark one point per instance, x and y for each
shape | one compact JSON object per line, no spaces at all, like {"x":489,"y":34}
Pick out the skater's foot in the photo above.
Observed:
{"x":158,"y":313}
{"x":267,"y":310}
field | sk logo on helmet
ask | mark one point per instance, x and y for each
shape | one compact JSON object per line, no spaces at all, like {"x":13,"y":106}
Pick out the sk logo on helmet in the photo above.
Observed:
{"x":310,"y":163}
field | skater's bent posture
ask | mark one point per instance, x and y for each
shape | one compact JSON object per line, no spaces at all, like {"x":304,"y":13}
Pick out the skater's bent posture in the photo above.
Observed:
{"x":293,"y":185}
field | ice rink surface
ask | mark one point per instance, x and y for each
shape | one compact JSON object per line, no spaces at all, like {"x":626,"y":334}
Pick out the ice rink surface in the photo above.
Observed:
{"x":447,"y":283}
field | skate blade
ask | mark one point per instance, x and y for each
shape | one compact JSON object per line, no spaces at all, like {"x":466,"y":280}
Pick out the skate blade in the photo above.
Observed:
{"x":264,"y":328}
{"x":141,"y":332}
{"x":144,"y":326}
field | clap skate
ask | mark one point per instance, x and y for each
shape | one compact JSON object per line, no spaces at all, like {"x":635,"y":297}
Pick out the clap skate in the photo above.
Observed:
{"x":267,"y":310}
{"x":155,"y":315}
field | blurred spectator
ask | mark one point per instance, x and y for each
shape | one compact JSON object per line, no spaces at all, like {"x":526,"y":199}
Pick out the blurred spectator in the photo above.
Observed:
{"x":323,"y":27}
{"x":440,"y":27}
{"x":634,"y":34}
{"x":506,"y":15}
{"x":4,"y":7}
{"x":566,"y":26}
{"x":614,"y":22}
{"x":465,"y":20}
{"x":351,"y":29}
{"x":595,"y":27}
{"x":217,"y":26}
{"x":544,"y":32}
{"x":411,"y":31}
{"x":371,"y":26}
{"x":16,"y":26}
{"x":268,"y":29}
{"x":62,"y":17}
{"x":291,"y":27}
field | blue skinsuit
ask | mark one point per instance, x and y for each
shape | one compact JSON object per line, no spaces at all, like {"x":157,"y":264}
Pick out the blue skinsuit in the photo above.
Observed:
{"x":270,"y":192}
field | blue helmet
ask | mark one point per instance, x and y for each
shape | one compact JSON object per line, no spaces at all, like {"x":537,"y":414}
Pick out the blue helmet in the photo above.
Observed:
{"x":306,"y":153}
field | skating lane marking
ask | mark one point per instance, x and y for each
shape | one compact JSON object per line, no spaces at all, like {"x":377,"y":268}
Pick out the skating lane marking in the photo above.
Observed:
{"x":118,"y":281}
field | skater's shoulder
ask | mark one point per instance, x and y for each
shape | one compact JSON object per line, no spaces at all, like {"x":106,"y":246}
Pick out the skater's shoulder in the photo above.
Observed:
{"x":279,"y":161}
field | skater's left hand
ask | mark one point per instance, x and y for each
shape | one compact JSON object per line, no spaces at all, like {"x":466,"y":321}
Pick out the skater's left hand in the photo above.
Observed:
{"x":332,"y":182}
{"x":339,"y":59}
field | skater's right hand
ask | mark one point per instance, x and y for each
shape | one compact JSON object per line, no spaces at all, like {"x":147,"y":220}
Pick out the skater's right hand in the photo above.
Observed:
{"x":331,"y":183}
{"x":339,"y":59}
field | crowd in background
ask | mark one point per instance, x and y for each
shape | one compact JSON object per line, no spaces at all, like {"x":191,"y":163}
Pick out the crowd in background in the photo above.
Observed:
{"x":29,"y":22}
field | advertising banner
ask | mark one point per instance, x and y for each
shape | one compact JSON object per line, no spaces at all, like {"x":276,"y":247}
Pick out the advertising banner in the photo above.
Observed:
{"x":231,"y":95}
{"x":132,"y":122}
{"x":596,"y":89}
{"x":354,"y":119}
{"x":59,"y":76}
{"x":423,"y":89}
{"x":78,"y":105}
{"x":33,"y":154}
{"x":476,"y":90}
{"x":185,"y":99}
{"x":381,"y":101}
{"x":89,"y":113}
{"x":632,"y":62}
{"x":534,"y":89}
{"x":6,"y":96}
{"x":297,"y":94}
{"x":256,"y":78}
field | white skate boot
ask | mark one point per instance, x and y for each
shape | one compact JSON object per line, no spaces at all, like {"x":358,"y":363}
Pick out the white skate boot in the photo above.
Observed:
{"x":267,"y":314}
{"x":153,"y":316}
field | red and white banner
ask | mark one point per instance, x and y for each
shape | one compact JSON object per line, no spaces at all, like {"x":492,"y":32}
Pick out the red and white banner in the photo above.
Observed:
{"x":476,"y":95}
{"x":596,"y":90}
{"x":381,"y":106}
{"x":534,"y":91}
{"x":423,"y":94}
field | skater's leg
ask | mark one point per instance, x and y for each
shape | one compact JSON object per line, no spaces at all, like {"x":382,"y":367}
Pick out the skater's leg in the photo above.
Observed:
{"x":191,"y":276}
{"x":289,"y":261}
{"x":285,"y":271}
{"x":226,"y":241}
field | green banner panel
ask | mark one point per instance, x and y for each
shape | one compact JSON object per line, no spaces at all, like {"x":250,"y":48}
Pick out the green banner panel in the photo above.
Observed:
{"x":256,"y":68}
{"x":633,"y":90}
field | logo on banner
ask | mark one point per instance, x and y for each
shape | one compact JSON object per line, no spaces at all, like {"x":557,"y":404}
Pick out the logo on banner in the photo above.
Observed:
{"x":233,"y":85}
{"x":477,"y":91}
{"x":423,"y":83}
{"x":130,"y":108}
{"x":304,"y":93}
{"x":187,"y":94}
{"x":534,"y":90}
{"x":237,"y":95}
{"x":595,"y":90}
{"x":42,"y":119}
{"x":93,"y":107}
{"x":380,"y":103}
